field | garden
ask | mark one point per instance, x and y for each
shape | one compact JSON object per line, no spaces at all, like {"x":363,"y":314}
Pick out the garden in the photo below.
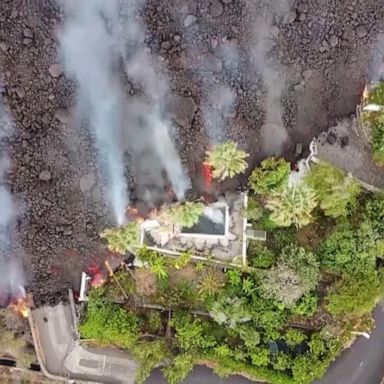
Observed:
{"x":283,"y":317}
{"x":373,"y":119}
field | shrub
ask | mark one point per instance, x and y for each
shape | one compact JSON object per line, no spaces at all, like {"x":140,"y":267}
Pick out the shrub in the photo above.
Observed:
{"x":305,"y":306}
{"x":294,"y":337}
{"x":122,"y":240}
{"x":231,"y":311}
{"x":187,"y":214}
{"x":259,"y":256}
{"x":296,"y":274}
{"x":337,"y":192}
{"x":211,"y":283}
{"x":190,"y":334}
{"x":374,"y":213}
{"x":270,"y":176}
{"x":376,"y":95}
{"x":292,"y":206}
{"x":349,"y":251}
{"x":109,"y":324}
{"x":226,"y":160}
{"x":179,"y":369}
{"x":254,"y":210}
{"x":149,"y":355}
{"x":354,"y":296}
{"x":182,"y":260}
{"x":377,"y":134}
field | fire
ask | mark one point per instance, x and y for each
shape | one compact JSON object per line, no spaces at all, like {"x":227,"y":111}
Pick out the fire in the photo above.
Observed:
{"x":207,"y":175}
{"x":97,"y":276}
{"x":20,"y":306}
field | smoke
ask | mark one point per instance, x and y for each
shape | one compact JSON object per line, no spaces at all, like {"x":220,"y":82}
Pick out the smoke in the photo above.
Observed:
{"x":150,"y":133}
{"x":217,"y":108}
{"x":273,"y":132}
{"x":11,"y":274}
{"x":87,"y":55}
{"x":98,"y":36}
{"x":376,"y":64}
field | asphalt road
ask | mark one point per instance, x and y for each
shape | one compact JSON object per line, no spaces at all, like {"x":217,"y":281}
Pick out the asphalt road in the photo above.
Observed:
{"x":363,"y":363}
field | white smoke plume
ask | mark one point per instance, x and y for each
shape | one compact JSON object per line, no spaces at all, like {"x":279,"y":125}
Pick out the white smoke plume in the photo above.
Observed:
{"x":376,"y":64}
{"x":217,"y":108}
{"x":11,"y":273}
{"x":273,"y":132}
{"x":87,"y":48}
{"x":149,"y":136}
{"x":99,"y":34}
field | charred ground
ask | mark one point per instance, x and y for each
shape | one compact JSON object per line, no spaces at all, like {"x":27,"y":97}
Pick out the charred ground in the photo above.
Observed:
{"x":320,"y":49}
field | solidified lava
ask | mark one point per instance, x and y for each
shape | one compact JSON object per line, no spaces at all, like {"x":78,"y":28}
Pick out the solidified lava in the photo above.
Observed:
{"x":319,"y":48}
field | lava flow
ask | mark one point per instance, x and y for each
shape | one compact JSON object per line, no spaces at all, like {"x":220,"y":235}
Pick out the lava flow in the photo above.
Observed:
{"x":207,"y":176}
{"x":97,"y":275}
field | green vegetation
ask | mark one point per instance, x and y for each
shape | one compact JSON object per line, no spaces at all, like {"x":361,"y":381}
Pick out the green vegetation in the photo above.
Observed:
{"x":122,"y":240}
{"x":13,"y":344}
{"x":187,"y":214}
{"x":285,"y":316}
{"x":226,"y":160}
{"x":377,"y":135}
{"x":292,"y":206}
{"x":375,"y":122}
{"x":337,"y":192}
{"x":270,"y":176}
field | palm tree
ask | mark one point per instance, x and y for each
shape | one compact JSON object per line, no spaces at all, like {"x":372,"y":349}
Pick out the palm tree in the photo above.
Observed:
{"x":122,"y":240}
{"x":187,"y":214}
{"x":226,"y":160}
{"x":292,"y":205}
{"x":211,"y":283}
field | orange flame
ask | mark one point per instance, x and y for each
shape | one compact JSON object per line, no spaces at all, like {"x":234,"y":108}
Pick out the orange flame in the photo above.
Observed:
{"x":20,"y":306}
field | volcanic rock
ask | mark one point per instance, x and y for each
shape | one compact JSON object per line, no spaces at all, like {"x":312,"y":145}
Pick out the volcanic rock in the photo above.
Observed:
{"x":331,"y":138}
{"x":189,"y":21}
{"x":216,"y":9}
{"x":56,"y":70}
{"x":181,"y":110}
{"x":28,"y":33}
{"x":63,"y":116}
{"x":333,"y":41}
{"x":45,"y":175}
{"x":87,"y":182}
{"x":361,"y":31}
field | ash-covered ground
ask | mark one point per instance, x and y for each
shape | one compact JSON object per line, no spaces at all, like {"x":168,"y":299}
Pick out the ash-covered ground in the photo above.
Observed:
{"x":265,"y":73}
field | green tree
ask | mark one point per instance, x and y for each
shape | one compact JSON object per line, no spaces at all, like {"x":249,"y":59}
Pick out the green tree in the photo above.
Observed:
{"x":187,"y":214}
{"x":350,"y":251}
{"x":308,"y":368}
{"x":292,"y":206}
{"x":355,"y":296}
{"x":179,"y":369}
{"x":191,"y":336}
{"x":109,"y":324}
{"x":294,"y":337}
{"x":149,"y":355}
{"x":226,"y":160}
{"x":260,"y":357}
{"x":337,"y":192}
{"x":272,"y":175}
{"x":374,"y":213}
{"x":122,"y":240}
